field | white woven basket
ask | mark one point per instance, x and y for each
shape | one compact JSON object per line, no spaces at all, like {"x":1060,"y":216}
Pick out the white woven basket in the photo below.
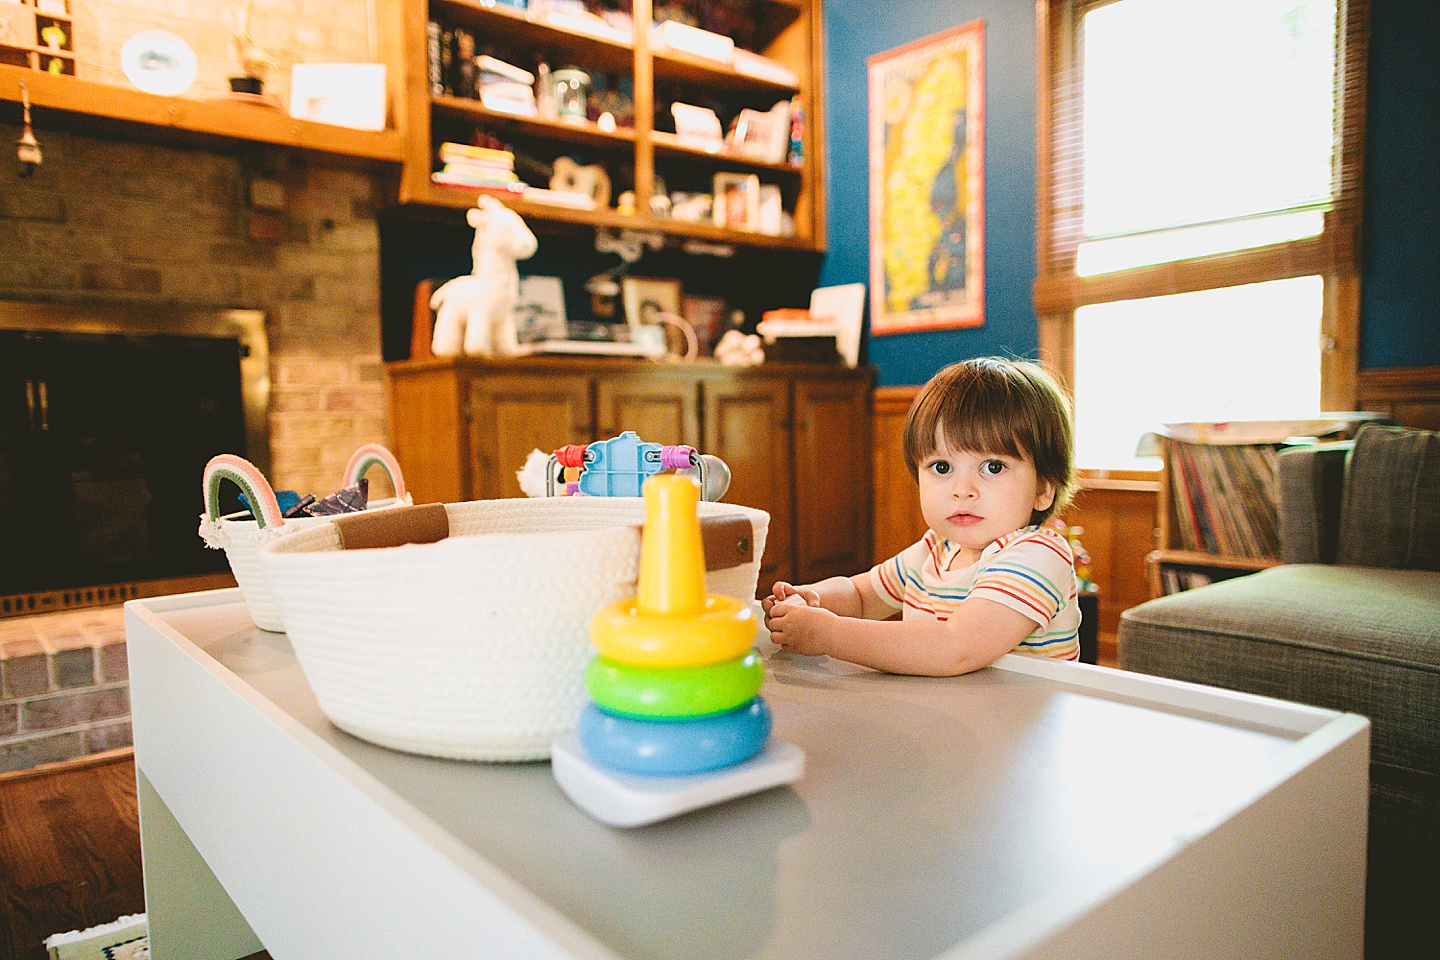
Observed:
{"x":241,"y":535}
{"x":473,"y":647}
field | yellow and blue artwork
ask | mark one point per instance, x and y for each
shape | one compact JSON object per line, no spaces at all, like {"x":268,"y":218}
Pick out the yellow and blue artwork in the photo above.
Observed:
{"x":927,"y":179}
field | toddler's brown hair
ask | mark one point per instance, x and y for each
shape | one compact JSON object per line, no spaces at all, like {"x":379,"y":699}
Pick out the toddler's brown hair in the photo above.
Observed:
{"x":995,"y":405}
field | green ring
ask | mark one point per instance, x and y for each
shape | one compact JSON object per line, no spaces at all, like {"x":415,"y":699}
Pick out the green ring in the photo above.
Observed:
{"x":672,"y":694}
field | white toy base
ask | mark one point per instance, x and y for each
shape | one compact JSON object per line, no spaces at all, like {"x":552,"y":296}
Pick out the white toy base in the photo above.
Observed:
{"x":632,"y":800}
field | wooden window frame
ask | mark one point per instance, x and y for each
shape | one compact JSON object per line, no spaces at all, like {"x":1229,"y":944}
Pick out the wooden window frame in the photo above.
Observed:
{"x":1334,"y":254}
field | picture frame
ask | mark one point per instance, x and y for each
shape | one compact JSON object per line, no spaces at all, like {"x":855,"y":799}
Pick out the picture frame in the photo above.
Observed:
{"x":540,"y":310}
{"x":737,"y":201}
{"x":643,"y":298}
{"x":343,"y":94}
{"x":927,"y":127}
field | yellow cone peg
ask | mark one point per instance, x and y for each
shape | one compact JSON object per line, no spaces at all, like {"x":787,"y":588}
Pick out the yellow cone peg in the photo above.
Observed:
{"x":672,"y":557}
{"x":672,"y":622}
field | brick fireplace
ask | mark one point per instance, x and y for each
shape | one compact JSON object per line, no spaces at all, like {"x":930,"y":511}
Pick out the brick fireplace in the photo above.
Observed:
{"x":106,"y":221}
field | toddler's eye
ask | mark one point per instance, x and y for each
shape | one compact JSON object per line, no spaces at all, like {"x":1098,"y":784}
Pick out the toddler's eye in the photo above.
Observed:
{"x":993,"y":467}
{"x":940,"y":468}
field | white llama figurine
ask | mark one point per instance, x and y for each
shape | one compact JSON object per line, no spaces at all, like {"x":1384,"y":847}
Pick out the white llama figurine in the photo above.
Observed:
{"x":477,"y":311}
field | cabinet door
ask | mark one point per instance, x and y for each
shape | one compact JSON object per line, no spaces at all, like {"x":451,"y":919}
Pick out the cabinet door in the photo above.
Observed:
{"x":832,"y":478}
{"x":747,"y":424}
{"x":512,"y":414}
{"x":659,"y":408}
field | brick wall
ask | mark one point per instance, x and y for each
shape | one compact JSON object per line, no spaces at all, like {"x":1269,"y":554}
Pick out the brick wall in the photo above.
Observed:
{"x":109,"y":221}
{"x":64,"y":690}
{"x":106,"y":220}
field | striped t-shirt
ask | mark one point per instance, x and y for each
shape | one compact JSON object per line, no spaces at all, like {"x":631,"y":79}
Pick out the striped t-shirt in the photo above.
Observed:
{"x":1031,"y":571}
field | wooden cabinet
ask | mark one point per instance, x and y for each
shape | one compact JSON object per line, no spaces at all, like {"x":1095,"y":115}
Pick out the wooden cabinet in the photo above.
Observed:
{"x":641,"y":155}
{"x":831,"y":467}
{"x":796,"y":437}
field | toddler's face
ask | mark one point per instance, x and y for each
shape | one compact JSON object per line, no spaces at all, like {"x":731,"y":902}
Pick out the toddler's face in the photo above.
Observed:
{"x":974,"y":498}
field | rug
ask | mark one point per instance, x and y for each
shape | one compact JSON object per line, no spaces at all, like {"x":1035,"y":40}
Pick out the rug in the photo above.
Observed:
{"x":123,"y":939}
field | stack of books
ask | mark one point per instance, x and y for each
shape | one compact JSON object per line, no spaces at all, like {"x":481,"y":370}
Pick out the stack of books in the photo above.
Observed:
{"x":506,"y":88}
{"x":478,"y":168}
{"x":1224,"y":498}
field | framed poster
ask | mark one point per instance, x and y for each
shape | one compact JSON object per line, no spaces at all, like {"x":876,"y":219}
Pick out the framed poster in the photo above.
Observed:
{"x":927,"y":183}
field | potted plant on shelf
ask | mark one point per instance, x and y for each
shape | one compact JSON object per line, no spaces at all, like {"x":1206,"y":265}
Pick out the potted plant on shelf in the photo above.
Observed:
{"x":254,"y":61}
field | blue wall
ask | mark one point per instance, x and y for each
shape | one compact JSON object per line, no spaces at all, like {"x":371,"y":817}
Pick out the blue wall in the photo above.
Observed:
{"x":1400,"y":270}
{"x":858,"y":29}
{"x":1400,"y":298}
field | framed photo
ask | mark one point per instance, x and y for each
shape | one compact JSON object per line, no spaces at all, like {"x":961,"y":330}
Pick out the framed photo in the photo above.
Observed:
{"x":737,"y":201}
{"x":927,"y":183}
{"x":540,"y":310}
{"x":645,"y":298}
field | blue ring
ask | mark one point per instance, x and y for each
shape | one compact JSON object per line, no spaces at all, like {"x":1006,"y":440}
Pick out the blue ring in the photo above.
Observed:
{"x":674,"y":747}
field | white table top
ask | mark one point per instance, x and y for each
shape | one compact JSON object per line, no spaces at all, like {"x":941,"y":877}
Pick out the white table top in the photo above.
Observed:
{"x":931,"y":809}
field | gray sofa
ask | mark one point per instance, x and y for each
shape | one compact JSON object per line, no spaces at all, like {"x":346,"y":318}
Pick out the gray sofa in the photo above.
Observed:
{"x":1351,"y":621}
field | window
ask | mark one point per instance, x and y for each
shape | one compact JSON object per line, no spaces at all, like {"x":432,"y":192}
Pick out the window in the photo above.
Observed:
{"x":1199,"y":202}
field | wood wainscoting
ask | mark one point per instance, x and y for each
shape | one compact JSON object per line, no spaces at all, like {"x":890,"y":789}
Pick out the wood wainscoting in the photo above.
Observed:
{"x":1118,"y":517}
{"x":1409,"y":394}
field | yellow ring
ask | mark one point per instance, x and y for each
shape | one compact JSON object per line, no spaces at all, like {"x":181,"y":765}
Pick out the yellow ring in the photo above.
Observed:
{"x":724,"y":630}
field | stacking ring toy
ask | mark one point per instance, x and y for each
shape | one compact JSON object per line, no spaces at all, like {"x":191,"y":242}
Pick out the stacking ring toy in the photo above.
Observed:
{"x":674,"y":747}
{"x":673,"y":694}
{"x":722,"y":629}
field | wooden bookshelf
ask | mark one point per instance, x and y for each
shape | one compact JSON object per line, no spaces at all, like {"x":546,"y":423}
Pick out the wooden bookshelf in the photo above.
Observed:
{"x":787,"y":33}
{"x":200,"y":121}
{"x":1217,"y":510}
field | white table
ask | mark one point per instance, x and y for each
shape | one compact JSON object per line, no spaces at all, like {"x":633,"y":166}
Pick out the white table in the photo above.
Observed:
{"x":1032,"y":809}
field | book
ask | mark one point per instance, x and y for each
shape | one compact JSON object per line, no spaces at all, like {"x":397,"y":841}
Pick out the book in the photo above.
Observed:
{"x":433,"y":39}
{"x":507,"y":188}
{"x":694,"y":41}
{"x":467,"y":74}
{"x":450,"y":150}
{"x":498,"y":70}
{"x":447,"y":61}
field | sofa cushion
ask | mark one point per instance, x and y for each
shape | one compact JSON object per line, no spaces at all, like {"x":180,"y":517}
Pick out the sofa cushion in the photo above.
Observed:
{"x":1356,"y":639}
{"x":1391,"y":513}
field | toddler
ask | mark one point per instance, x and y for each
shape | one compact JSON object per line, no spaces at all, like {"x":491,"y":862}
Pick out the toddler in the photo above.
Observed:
{"x":990,"y":444}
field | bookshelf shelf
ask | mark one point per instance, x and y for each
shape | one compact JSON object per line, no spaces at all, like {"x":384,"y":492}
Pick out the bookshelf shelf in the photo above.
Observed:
{"x":670,"y":145}
{"x":587,"y":134}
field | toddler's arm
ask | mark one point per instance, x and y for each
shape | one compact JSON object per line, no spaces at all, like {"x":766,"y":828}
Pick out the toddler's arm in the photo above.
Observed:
{"x":980,"y":632}
{"x":845,"y":596}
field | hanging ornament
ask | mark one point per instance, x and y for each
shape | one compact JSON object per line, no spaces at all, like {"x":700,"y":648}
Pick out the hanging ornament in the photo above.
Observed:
{"x":28,"y":147}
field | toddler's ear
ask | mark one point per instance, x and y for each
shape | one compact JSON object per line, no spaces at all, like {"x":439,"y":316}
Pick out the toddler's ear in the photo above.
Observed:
{"x":1045,"y":496}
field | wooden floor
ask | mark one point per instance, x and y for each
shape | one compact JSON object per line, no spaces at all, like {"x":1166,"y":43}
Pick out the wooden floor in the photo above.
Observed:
{"x":69,"y":851}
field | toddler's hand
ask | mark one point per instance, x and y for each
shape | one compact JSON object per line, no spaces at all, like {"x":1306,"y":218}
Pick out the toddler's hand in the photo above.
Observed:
{"x":786,"y":593}
{"x":798,"y":627}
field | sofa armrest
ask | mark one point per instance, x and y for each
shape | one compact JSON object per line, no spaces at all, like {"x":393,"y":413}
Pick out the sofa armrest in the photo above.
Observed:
{"x":1310,"y":485}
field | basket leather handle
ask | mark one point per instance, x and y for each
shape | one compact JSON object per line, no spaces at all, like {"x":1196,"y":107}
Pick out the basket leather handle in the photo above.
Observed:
{"x":728,"y":541}
{"x":252,"y":483}
{"x":372,"y":455}
{"x":423,"y":523}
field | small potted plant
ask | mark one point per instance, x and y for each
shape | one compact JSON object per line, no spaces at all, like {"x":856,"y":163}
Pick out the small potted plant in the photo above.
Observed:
{"x":254,"y":61}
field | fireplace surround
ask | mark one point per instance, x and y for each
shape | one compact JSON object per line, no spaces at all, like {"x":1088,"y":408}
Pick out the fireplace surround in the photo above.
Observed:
{"x":108,"y":413}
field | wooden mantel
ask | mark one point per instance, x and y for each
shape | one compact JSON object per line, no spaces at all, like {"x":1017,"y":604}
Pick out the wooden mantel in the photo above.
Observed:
{"x":197,"y":120}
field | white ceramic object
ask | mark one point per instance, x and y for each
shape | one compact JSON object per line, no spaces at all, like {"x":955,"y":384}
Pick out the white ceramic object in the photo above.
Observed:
{"x":159,"y":62}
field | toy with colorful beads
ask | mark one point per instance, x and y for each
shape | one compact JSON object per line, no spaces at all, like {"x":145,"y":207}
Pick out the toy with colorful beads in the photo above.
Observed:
{"x":619,"y":467}
{"x":676,"y":722}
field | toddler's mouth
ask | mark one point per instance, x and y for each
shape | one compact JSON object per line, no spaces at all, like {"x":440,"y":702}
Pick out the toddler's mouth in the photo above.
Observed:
{"x":964,"y":519}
